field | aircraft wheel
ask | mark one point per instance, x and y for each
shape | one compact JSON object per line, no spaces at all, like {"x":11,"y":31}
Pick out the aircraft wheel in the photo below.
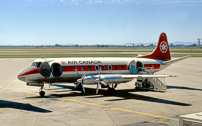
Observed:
{"x":137,"y":85}
{"x":42,"y":93}
{"x":111,"y":91}
{"x":115,"y":85}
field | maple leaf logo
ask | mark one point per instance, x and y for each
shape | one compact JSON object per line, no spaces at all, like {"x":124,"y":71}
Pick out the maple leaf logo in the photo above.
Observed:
{"x":63,"y":62}
{"x":163,"y":47}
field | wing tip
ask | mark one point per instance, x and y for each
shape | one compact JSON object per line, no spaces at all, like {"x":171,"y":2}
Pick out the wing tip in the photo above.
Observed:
{"x":173,"y":76}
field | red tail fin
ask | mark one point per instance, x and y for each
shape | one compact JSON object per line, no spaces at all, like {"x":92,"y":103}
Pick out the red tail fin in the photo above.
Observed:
{"x":161,"y":52}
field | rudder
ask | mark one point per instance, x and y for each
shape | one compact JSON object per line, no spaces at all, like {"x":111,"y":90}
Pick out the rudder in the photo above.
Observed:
{"x":161,"y":52}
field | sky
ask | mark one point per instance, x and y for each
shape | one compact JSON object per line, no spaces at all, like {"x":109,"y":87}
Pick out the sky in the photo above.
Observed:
{"x":49,"y":22}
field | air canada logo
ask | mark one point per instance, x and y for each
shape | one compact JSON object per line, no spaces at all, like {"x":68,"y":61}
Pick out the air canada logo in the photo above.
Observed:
{"x":163,"y":47}
{"x":63,"y":62}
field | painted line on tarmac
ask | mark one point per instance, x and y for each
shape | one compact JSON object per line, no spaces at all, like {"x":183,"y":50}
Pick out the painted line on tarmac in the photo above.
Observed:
{"x":125,"y":110}
{"x":19,"y":90}
{"x":103,"y":106}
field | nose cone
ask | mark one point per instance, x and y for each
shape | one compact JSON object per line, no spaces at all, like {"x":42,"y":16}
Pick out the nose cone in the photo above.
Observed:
{"x":22,"y":75}
{"x":21,"y":78}
{"x":79,"y":80}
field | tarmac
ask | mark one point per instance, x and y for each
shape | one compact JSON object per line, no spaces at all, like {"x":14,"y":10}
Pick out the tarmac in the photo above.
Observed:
{"x":64,"y":105}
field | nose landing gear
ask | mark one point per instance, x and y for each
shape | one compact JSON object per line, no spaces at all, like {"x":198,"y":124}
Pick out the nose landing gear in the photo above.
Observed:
{"x":41,"y":92}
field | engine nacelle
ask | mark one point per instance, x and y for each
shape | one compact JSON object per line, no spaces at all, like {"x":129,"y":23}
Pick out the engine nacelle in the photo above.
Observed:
{"x":113,"y":79}
{"x":35,"y":84}
{"x":109,"y":79}
{"x":88,"y":80}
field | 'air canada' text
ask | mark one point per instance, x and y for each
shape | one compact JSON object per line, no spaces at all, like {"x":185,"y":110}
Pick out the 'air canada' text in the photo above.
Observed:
{"x":84,"y":62}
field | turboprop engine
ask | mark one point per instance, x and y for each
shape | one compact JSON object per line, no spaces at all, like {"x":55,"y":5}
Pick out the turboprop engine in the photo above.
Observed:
{"x":109,"y":79}
{"x":103,"y":80}
{"x":87,"y":80}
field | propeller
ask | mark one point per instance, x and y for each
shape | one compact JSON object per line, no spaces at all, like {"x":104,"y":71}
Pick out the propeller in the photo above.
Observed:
{"x":82,"y":87}
{"x":99,"y":80}
{"x":80,"y":82}
{"x":97,"y":88}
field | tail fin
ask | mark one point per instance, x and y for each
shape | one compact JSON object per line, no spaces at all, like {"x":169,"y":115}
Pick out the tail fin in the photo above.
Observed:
{"x":161,"y":52}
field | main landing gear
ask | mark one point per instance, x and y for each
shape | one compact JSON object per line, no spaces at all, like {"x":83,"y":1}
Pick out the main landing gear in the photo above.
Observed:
{"x":41,"y":92}
{"x":111,"y":88}
{"x":143,"y":84}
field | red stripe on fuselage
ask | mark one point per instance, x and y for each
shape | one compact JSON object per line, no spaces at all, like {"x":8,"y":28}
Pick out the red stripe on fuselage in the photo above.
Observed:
{"x":79,"y":67}
{"x":34,"y":71}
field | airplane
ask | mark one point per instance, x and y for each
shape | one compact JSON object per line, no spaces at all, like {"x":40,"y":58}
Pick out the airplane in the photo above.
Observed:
{"x":104,"y":71}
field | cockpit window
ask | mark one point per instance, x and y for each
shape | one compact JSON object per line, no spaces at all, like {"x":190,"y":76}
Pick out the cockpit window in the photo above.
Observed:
{"x":36,"y":64}
{"x":28,"y":69}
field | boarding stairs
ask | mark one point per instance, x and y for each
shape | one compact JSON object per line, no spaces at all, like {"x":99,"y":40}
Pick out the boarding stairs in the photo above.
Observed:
{"x":156,"y":84}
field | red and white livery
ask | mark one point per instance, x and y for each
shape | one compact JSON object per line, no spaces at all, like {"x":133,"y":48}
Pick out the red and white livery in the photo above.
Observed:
{"x":106,"y":71}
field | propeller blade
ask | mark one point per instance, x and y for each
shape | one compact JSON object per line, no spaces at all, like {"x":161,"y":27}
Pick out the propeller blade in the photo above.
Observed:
{"x":102,"y":82}
{"x":97,"y":88}
{"x":77,"y":85}
{"x":100,"y":72}
{"x":84,"y":76}
{"x":83,"y":88}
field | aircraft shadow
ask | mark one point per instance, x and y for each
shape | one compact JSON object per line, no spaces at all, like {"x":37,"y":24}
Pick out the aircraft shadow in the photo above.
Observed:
{"x":21,"y":106}
{"x":123,"y":94}
{"x":187,"y":88}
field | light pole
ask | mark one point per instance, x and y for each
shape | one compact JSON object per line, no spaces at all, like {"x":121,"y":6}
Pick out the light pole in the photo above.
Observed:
{"x":199,"y":42}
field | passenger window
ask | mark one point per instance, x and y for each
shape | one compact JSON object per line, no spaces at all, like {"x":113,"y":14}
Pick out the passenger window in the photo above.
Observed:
{"x":110,"y":67}
{"x":103,"y":67}
{"x":96,"y":67}
{"x":90,"y":68}
{"x":122,"y":67}
{"x":83,"y":68}
{"x":75,"y":68}
{"x":116,"y":67}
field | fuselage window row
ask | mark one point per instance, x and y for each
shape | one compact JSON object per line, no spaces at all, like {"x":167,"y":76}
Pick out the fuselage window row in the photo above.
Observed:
{"x":97,"y":68}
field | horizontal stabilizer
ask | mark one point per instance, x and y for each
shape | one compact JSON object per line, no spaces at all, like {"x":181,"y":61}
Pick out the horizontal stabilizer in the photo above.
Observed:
{"x":175,"y":60}
{"x":141,"y":55}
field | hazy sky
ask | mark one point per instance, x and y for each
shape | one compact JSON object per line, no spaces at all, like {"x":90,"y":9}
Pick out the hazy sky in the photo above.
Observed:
{"x":47,"y":22}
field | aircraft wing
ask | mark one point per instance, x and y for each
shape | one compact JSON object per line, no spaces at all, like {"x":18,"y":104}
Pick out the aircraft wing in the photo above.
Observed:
{"x":114,"y":77}
{"x":147,"y":76}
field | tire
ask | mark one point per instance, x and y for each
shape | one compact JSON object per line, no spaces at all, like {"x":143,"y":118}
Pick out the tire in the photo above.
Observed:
{"x":136,"y":88}
{"x":42,"y":93}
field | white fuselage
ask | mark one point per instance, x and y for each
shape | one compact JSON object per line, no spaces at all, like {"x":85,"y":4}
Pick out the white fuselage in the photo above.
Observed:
{"x":71,"y":69}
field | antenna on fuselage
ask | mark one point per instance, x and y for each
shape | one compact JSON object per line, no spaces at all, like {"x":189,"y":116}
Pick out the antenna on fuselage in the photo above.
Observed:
{"x":42,"y":57}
